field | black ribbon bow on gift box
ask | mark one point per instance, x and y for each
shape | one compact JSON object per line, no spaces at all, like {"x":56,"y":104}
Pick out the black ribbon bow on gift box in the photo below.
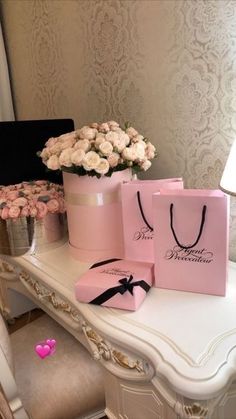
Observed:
{"x":126,"y":285}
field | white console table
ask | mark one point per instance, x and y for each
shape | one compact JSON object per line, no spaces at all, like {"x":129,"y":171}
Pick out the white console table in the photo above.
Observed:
{"x":174,"y":358}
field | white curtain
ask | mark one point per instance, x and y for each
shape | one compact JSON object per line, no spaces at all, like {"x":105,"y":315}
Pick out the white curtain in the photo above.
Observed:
{"x":6,"y":105}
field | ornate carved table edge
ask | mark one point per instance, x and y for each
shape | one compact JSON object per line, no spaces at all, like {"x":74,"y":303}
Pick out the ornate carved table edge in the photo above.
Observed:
{"x":45,"y":294}
{"x":126,"y":366}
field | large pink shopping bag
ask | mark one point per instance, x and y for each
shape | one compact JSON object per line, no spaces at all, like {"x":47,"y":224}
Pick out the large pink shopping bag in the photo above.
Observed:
{"x":191,"y":244}
{"x":137,"y":216}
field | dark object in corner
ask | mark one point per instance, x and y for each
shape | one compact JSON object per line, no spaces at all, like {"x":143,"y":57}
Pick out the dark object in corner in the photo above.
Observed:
{"x":20,"y":141}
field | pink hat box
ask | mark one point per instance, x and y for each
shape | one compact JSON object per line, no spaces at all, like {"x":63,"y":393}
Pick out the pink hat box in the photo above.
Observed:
{"x":94,"y":215}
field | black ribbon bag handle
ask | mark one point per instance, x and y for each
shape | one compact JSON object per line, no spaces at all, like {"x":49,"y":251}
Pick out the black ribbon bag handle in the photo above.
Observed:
{"x":142,"y":213}
{"x":204,"y":208}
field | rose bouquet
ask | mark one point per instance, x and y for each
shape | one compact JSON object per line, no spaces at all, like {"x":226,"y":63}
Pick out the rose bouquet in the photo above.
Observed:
{"x":98,"y":150}
{"x":31,"y":199}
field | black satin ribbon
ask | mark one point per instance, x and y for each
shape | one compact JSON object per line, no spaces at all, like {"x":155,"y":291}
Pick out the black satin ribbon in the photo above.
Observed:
{"x":126,"y":285}
{"x":103,"y":262}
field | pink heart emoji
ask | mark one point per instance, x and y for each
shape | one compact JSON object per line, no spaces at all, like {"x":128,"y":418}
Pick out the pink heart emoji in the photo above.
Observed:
{"x":42,"y":350}
{"x":51,"y":343}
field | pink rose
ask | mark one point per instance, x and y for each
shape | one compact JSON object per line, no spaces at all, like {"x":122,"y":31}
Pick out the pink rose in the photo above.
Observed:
{"x":20,"y":202}
{"x":25,"y":211}
{"x":14,"y":212}
{"x":31,"y":203}
{"x":40,"y":182}
{"x":42,"y":209}
{"x":53,"y":205}
{"x":26,"y":186}
{"x":4,"y":213}
{"x":27,"y":192}
{"x":12,"y":195}
{"x":62,"y":207}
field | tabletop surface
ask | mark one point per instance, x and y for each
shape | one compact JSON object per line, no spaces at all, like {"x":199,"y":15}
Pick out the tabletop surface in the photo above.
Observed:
{"x":189,"y":338}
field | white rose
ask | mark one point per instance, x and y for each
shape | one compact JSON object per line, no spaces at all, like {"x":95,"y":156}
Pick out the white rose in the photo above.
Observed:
{"x":131,"y":132}
{"x":77,"y":157}
{"x":77,"y":133}
{"x":101,"y":135}
{"x":65,"y":157}
{"x":106,"y":148}
{"x":124,"y":137}
{"x":146,"y":164}
{"x":53,"y":163}
{"x":137,"y":138}
{"x":129,"y":154}
{"x":113,"y":159}
{"x":69,"y":136}
{"x":88,"y":133}
{"x":91,"y":160}
{"x":83,"y":145}
{"x":119,"y":144}
{"x":150,"y":151}
{"x":112,"y":136}
{"x":99,"y":140}
{"x":45,"y":153}
{"x":55,"y":149}
{"x":139,"y":150}
{"x":51,"y":141}
{"x":103,"y":167}
{"x":104,"y":127}
{"x":150,"y":154}
{"x":94,"y":125}
{"x":66,"y":141}
{"x":113,"y":124}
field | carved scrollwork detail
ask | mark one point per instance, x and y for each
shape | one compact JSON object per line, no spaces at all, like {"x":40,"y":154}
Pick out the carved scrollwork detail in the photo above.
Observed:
{"x":6,"y":267}
{"x":42,"y":293}
{"x":196,"y":411}
{"x":103,"y":350}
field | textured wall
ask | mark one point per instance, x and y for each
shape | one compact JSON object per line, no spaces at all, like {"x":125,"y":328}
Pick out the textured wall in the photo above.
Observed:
{"x":167,"y":66}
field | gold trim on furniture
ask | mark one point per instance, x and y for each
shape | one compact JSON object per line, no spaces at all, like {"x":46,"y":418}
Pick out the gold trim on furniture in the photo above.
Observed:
{"x":42,"y":293}
{"x":106,"y":352}
{"x":6,"y":267}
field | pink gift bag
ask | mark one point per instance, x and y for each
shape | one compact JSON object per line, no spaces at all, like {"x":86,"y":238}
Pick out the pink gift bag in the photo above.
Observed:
{"x":137,"y":216}
{"x":191,"y":244}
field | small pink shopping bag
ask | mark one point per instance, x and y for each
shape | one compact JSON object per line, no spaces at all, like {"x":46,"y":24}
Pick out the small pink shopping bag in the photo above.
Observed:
{"x":138,"y":218}
{"x":191,"y":245}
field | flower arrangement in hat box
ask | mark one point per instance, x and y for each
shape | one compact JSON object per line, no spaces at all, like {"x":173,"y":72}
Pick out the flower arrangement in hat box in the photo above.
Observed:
{"x":95,"y":160}
{"x":30,"y":211}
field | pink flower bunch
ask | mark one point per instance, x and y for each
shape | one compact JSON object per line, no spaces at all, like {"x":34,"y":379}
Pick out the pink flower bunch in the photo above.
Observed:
{"x":99,"y":149}
{"x":31,"y":199}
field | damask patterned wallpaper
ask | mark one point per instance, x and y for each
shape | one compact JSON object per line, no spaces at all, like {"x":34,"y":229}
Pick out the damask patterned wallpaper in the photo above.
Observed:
{"x":169,"y":67}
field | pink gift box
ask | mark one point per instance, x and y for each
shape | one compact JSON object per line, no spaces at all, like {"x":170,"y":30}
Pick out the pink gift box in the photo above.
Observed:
{"x":114,"y":282}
